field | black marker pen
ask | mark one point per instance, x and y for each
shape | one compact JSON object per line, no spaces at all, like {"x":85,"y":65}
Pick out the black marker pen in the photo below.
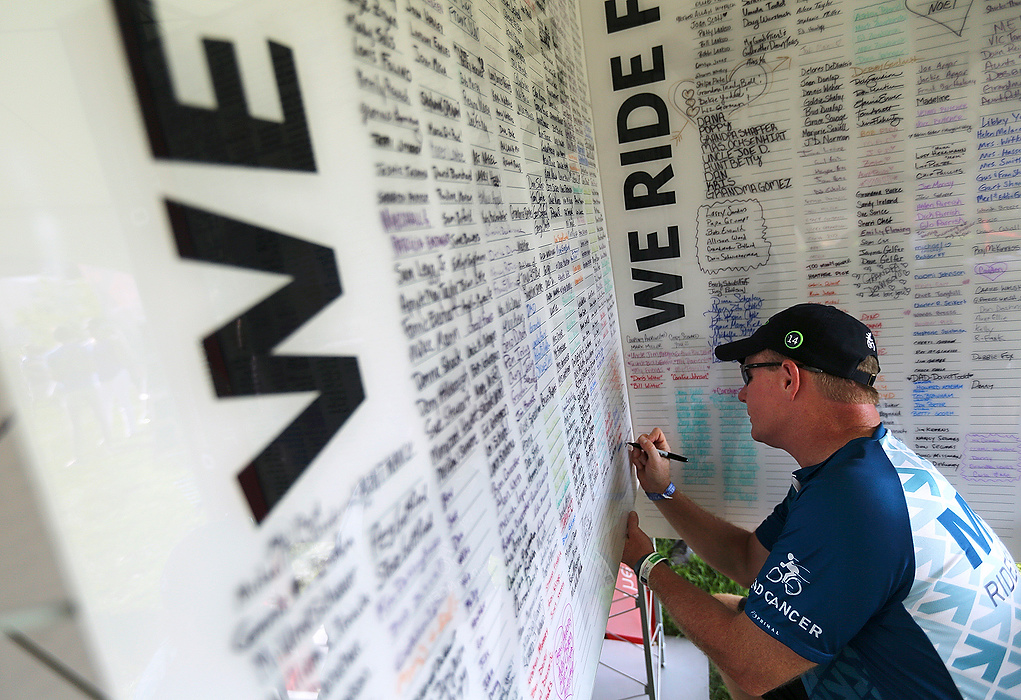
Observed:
{"x":663,"y":453}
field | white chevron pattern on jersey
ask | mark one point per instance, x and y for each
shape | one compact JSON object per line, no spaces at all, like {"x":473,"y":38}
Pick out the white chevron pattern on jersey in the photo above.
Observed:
{"x":966,"y":596}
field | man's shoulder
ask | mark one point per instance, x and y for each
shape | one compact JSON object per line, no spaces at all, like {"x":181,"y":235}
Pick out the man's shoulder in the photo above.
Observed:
{"x":862,"y":469}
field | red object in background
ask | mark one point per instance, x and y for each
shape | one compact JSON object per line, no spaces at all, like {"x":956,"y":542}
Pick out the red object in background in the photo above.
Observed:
{"x":625,"y":620}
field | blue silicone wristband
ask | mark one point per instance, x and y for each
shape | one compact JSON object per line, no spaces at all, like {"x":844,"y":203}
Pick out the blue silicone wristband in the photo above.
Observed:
{"x":662,"y":496}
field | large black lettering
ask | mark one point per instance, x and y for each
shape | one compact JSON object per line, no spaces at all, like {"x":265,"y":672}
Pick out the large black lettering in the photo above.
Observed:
{"x":649,"y":298}
{"x":626,"y":133}
{"x":661,"y":127}
{"x":652,"y":197}
{"x":227,"y":134}
{"x":637,"y":76}
{"x":644,"y":155}
{"x":633,"y":17}
{"x":654,"y":251}
{"x":240,"y":352}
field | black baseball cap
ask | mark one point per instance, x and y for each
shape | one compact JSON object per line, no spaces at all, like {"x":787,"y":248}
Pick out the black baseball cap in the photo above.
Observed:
{"x":816,"y":335}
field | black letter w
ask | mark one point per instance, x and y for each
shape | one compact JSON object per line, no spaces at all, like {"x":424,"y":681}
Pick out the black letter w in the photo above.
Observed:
{"x":239,"y":353}
{"x":649,"y":298}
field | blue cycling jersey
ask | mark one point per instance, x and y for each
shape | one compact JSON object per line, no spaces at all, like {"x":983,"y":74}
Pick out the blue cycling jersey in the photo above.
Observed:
{"x":881,"y":574}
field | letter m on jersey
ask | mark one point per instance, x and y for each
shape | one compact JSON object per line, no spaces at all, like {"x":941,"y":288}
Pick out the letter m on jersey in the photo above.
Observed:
{"x":968,"y":535}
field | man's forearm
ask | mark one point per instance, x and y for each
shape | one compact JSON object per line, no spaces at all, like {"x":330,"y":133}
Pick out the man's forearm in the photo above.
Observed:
{"x":747,"y":655}
{"x":707,"y":622}
{"x":723,"y":545}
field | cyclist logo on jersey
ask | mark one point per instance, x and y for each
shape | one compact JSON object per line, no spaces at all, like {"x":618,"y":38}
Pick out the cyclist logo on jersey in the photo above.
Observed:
{"x":789,"y":573}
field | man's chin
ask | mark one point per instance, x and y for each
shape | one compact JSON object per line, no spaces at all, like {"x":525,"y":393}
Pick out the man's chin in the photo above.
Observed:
{"x":757,"y":436}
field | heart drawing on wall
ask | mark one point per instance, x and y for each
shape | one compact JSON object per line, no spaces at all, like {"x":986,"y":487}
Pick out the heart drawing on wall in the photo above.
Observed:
{"x":683,"y":99}
{"x":949,"y":13}
{"x":745,"y":84}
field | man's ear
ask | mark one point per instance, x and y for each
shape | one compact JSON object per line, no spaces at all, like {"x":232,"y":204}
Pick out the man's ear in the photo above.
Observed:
{"x":792,"y":378}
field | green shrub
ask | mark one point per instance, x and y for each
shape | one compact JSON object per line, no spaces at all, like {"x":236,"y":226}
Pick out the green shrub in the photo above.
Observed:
{"x":696,"y":571}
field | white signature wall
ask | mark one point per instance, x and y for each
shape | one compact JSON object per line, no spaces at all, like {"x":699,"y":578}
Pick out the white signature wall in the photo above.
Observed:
{"x":307,"y":317}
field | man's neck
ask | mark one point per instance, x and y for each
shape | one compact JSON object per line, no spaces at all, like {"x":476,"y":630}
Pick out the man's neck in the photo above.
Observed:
{"x":831,"y":428}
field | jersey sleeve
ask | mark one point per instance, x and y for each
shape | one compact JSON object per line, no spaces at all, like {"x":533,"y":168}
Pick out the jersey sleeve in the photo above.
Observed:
{"x":770,"y":528}
{"x":842,"y":553}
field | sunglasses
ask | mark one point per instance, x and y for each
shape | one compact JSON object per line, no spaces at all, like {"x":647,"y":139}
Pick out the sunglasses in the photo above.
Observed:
{"x":747,"y":377}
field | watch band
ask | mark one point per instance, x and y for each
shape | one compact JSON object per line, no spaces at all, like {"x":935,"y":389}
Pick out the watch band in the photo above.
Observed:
{"x":645,"y":566}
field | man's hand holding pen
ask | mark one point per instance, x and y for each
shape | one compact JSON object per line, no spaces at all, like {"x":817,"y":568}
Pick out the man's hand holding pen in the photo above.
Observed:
{"x":652,"y":469}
